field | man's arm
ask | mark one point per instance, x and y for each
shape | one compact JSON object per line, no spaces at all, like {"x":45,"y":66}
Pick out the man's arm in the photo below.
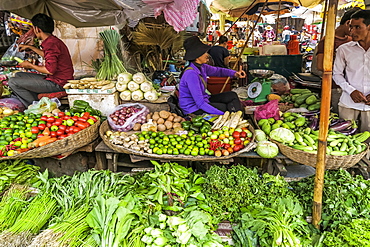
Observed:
{"x":41,"y":69}
{"x":37,"y":50}
{"x":226,"y":61}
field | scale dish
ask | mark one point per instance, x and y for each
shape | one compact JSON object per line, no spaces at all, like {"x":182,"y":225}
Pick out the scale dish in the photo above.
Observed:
{"x":261,"y":73}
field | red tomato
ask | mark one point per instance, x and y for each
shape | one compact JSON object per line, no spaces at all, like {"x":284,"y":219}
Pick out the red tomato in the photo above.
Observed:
{"x":237,"y":141}
{"x":49,"y":124}
{"x":236,"y":134}
{"x":75,"y":118}
{"x":93,"y":118}
{"x":60,"y":132}
{"x":58,"y":122}
{"x":35,"y":130}
{"x":226,"y":145}
{"x":62,"y":137}
{"x":76,"y":129}
{"x":70,"y":133}
{"x":82,"y":119}
{"x":243,"y":134}
{"x":86,"y":114}
{"x":43,"y":118}
{"x":66,"y":117}
{"x":40,"y":135}
{"x":53,"y":134}
{"x":50,"y":119}
{"x":236,"y":148}
{"x":41,"y":126}
{"x":80,"y":124}
{"x":62,"y":127}
{"x":61,"y":114}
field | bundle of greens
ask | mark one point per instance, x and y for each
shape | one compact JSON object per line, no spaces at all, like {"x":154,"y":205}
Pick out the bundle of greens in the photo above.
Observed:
{"x":111,"y":66}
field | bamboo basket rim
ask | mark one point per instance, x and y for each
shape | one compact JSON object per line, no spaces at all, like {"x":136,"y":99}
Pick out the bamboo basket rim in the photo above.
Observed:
{"x":105,"y":127}
{"x":67,"y":144}
{"x":332,"y":162}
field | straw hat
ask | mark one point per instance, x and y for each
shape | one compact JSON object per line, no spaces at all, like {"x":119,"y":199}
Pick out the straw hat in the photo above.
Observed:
{"x":268,"y":27}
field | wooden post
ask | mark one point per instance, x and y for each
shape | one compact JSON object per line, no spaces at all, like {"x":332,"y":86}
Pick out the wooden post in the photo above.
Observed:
{"x":324,"y":19}
{"x":278,"y":20}
{"x":324,"y":112}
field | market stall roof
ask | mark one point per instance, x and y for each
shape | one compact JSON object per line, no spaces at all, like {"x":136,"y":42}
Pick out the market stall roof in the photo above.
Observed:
{"x":235,"y":7}
{"x":93,"y":13}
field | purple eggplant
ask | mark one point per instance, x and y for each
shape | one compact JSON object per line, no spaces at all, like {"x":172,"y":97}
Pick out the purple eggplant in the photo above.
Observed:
{"x":349,"y":131}
{"x":341,"y":125}
{"x":310,"y":113}
{"x":335,"y":121}
{"x":314,"y":125}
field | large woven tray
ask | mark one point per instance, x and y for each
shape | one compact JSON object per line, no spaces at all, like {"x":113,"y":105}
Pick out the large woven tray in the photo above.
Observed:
{"x":333,"y":162}
{"x":67,"y":144}
{"x":105,"y":127}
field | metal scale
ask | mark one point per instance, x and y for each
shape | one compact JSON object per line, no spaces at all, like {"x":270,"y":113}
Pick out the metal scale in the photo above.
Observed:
{"x":260,"y":86}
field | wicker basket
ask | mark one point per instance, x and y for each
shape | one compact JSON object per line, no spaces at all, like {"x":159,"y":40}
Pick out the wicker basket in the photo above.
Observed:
{"x":120,"y":149}
{"x":67,"y":144}
{"x":333,"y":162}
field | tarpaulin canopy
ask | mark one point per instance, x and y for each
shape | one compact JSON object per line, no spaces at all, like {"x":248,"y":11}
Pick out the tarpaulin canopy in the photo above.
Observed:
{"x":237,"y":7}
{"x":93,"y":13}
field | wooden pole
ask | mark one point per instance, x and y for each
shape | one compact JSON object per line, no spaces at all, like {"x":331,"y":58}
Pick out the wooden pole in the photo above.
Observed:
{"x":324,"y":18}
{"x":245,"y":44}
{"x":278,"y":20}
{"x":324,"y":112}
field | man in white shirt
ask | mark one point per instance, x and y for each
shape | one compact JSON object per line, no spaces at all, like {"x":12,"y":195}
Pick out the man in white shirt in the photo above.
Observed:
{"x":352,"y":71}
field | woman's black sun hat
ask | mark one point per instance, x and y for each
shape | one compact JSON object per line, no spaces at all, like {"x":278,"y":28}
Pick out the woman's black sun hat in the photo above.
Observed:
{"x":194,"y":48}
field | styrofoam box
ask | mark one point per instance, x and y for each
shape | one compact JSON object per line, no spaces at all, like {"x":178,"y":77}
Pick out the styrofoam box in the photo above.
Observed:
{"x":90,"y":91}
{"x":102,"y":102}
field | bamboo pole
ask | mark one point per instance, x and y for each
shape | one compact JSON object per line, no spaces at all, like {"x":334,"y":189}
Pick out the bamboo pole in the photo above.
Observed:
{"x":324,"y":19}
{"x":278,"y":20}
{"x":324,"y":112}
{"x":245,"y":44}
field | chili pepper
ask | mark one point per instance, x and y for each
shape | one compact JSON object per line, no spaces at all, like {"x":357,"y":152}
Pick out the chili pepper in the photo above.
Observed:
{"x":80,"y":104}
{"x":215,"y":144}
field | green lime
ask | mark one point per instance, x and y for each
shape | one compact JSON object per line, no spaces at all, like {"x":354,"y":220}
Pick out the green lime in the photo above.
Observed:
{"x":181,"y":150}
{"x":24,"y":145}
{"x":159,"y":151}
{"x":155,"y":149}
{"x":178,"y":146}
{"x":194,"y":152}
{"x":188,"y":142}
{"x":202,"y":152}
{"x":165,"y":142}
{"x":187,"y":152}
{"x":200,"y":144}
{"x":170,"y":151}
{"x":151,"y":141}
{"x":17,"y":143}
{"x":175,"y":152}
{"x":192,"y":138}
{"x":211,"y":152}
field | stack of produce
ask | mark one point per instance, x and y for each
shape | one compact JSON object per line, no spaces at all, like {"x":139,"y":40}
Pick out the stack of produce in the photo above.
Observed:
{"x":301,"y":132}
{"x":90,"y":83}
{"x":135,"y":87}
{"x":302,"y":98}
{"x":81,"y":106}
{"x":164,"y":120}
{"x":194,"y":137}
{"x":6,"y":111}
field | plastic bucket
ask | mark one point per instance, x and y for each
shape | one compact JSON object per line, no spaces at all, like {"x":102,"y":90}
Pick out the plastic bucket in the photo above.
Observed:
{"x":215,"y":84}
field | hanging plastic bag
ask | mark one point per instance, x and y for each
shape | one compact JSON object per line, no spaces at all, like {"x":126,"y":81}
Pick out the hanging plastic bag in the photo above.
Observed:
{"x":125,"y":116}
{"x":12,"y":52}
{"x":44,"y":105}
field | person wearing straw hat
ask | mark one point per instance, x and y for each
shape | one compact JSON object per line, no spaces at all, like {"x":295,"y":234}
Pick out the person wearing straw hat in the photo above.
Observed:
{"x":194,"y":97}
{"x":269,"y":34}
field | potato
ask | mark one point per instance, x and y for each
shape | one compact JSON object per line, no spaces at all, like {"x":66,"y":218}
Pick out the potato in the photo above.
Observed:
{"x":137,"y":127}
{"x":168,"y":124}
{"x":161,"y":127}
{"x":176,"y":125}
{"x":177,"y":119}
{"x":149,"y":116}
{"x":155,"y":116}
{"x":170,"y":118}
{"x":164,"y":114}
{"x":160,"y":121}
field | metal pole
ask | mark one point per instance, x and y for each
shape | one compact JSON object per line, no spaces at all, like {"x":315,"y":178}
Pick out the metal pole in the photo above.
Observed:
{"x":324,"y":112}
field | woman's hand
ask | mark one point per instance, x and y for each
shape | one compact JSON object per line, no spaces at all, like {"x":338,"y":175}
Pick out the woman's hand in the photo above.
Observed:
{"x":241,"y":73}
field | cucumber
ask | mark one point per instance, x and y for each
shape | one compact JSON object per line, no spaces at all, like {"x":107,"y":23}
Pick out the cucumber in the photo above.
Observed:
{"x":299,"y":91}
{"x":311,"y":100}
{"x":301,"y":99}
{"x":363,"y":137}
{"x":339,"y":153}
{"x":314,"y":107}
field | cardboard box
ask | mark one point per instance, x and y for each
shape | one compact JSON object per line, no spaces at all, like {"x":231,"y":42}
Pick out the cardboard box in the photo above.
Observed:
{"x":102,"y":102}
{"x":91,"y":91}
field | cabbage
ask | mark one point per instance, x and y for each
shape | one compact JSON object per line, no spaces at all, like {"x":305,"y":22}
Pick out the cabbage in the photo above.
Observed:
{"x":267,"y":149}
{"x":282,"y":135}
{"x":260,"y":135}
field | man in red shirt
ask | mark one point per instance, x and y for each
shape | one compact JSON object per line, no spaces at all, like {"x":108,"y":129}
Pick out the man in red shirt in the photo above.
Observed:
{"x":56,"y":69}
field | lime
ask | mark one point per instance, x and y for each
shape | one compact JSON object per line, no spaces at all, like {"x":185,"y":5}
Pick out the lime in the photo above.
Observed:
{"x":164,"y":150}
{"x":151,"y":141}
{"x":175,"y":152}
{"x":187,"y":152}
{"x":181,"y":150}
{"x":170,"y":151}
{"x":188,"y":142}
{"x":194,"y":152}
{"x":155,"y":149}
{"x":165,"y":142}
{"x":202,"y":152}
{"x":211,"y":152}
{"x":199,"y":139}
{"x":178,"y":139}
{"x":159,"y":151}
{"x":178,"y":146}
{"x":200,"y":144}
{"x":192,"y":138}
{"x":17,"y":143}
{"x":24,"y":145}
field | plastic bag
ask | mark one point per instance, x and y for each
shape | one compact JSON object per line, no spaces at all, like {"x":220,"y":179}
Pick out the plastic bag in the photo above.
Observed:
{"x":13,"y":52}
{"x":268,"y":110}
{"x":12,"y":103}
{"x":135,"y":112}
{"x":279,"y":84}
{"x":44,"y":105}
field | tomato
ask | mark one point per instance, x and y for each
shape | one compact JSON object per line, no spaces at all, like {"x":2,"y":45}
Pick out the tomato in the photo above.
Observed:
{"x":62,"y":137}
{"x":40,"y":135}
{"x":60,"y":132}
{"x":237,"y":141}
{"x":61,"y":114}
{"x":93,"y":118}
{"x":70,"y":133}
{"x":243,"y":134}
{"x":75,"y":118}
{"x":236,"y":148}
{"x":76,"y":129}
{"x":50,"y":119}
{"x":41,"y":126}
{"x":82,"y":119}
{"x":66,"y":117}
{"x":35,"y":130}
{"x":53,"y":134}
{"x":86,"y":114}
{"x":62,"y":127}
{"x":226,"y":145}
{"x":236,"y":134}
{"x":49,"y":125}
{"x":80,"y":124}
{"x":58,"y":122}
{"x":43,"y":118}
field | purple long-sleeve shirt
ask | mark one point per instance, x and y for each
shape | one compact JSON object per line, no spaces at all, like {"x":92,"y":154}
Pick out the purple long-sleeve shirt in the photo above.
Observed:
{"x":192,"y":92}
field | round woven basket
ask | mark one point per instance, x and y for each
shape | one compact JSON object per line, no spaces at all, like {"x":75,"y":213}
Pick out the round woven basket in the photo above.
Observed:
{"x":333,"y":162}
{"x":67,"y":144}
{"x":105,"y":127}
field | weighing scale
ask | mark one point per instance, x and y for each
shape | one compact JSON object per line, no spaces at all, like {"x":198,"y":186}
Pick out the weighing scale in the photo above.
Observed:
{"x":260,"y":86}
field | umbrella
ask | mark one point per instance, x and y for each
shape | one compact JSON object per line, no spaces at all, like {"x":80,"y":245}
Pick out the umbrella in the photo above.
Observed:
{"x":81,"y":13}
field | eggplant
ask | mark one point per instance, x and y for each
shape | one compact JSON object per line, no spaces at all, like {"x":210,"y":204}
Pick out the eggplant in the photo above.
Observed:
{"x":310,"y":113}
{"x":349,"y":131}
{"x":335,"y":121}
{"x":314,"y":125}
{"x":341,"y":125}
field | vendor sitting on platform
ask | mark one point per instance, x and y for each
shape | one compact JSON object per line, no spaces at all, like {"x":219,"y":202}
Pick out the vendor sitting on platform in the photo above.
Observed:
{"x":57,"y":66}
{"x":193,"y":94}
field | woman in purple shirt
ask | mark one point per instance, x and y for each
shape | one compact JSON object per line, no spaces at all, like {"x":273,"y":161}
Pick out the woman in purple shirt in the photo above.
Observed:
{"x":193,"y":94}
